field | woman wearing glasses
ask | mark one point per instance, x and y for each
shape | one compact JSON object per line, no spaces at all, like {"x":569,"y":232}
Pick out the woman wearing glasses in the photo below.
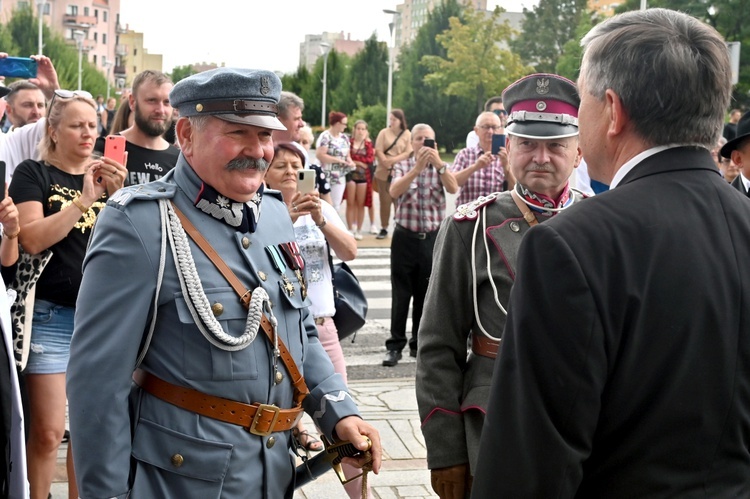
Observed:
{"x":58,"y":199}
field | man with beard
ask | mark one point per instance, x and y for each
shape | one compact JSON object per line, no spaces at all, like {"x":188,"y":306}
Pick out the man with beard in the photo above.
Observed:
{"x":150,"y":156}
{"x":219,"y":384}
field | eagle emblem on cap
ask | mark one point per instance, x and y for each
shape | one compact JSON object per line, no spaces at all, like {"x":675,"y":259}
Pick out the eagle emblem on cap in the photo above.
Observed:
{"x":542,"y":86}
{"x":264,"y":87}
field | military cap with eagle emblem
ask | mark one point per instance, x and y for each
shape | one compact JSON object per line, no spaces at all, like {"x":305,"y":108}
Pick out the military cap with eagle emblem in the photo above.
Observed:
{"x":542,"y":106}
{"x":246,"y":96}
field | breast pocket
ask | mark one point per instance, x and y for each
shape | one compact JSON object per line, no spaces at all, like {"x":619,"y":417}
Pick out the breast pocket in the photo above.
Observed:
{"x":184,"y":465}
{"x":289,"y":310}
{"x":204,"y":361}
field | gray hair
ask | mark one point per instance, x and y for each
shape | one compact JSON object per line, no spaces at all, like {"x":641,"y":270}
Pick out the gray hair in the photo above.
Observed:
{"x":670,"y":71}
{"x":288,"y":100}
{"x":421,"y":126}
{"x":199,"y":123}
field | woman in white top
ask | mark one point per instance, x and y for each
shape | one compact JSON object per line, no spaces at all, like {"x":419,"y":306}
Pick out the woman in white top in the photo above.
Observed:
{"x":317,"y":227}
{"x":332,"y":150}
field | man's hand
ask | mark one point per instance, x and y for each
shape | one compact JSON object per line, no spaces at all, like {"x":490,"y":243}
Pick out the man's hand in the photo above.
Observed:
{"x":353,"y":429}
{"x":450,"y":482}
{"x":483,"y":161}
{"x":46,"y":76}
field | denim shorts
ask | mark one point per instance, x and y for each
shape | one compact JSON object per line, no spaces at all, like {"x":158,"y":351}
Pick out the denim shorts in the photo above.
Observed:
{"x":50,"y":338}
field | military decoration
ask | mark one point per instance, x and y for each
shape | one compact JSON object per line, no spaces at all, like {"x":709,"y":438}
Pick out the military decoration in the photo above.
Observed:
{"x":295,"y":261}
{"x":278,"y":263}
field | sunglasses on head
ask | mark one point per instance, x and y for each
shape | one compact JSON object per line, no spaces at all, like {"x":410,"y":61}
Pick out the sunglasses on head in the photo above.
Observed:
{"x":68,"y":94}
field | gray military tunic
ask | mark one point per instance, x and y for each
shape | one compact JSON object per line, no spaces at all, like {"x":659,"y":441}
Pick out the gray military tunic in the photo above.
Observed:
{"x":125,"y":439}
{"x":453,"y":388}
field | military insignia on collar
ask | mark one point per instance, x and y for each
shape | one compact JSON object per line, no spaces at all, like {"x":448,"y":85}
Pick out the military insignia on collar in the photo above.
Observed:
{"x":470,"y":211}
{"x":542,"y":86}
{"x":264,"y":85}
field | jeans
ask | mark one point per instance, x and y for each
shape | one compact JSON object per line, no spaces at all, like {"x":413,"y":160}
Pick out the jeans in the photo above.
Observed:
{"x":51,"y":330}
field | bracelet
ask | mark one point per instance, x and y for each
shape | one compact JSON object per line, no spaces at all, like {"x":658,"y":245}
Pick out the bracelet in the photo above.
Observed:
{"x":322,"y":224}
{"x":12,"y":236}
{"x":80,"y":206}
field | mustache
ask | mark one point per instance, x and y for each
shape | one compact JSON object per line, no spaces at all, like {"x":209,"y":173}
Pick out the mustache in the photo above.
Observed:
{"x":539,"y":168}
{"x":242,"y":164}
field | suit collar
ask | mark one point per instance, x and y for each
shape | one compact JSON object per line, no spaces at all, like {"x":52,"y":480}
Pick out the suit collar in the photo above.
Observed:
{"x":680,"y":158}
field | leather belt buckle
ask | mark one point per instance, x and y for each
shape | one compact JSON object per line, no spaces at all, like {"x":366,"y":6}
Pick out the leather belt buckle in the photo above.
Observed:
{"x":320,"y":321}
{"x":258,"y":415}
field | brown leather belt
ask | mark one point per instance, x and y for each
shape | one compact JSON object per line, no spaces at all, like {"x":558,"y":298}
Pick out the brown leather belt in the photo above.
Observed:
{"x":484,"y":346}
{"x":258,"y":419}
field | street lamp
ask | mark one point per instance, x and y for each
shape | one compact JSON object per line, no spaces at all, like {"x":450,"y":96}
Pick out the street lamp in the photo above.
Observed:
{"x":325,"y":49}
{"x":392,"y":47}
{"x":40,"y":11}
{"x":78,"y":37}
{"x":108,"y":65}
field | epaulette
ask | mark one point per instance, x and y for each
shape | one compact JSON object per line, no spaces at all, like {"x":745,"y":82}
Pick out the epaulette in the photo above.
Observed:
{"x":151,"y":191}
{"x":470,"y":211}
{"x":274,"y":193}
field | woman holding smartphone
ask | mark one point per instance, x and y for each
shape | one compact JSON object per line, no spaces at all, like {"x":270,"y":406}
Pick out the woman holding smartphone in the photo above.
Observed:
{"x":58,"y":199}
{"x":318,"y":230}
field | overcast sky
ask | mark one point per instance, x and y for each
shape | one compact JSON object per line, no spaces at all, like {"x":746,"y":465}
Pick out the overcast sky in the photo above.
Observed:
{"x":256,"y":34}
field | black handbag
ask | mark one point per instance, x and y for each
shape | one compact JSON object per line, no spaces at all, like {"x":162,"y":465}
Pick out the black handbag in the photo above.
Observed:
{"x":349,"y":299}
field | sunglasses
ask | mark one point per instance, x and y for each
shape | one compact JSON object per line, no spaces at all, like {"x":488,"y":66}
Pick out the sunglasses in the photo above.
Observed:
{"x":68,"y":94}
{"x":500,"y":112}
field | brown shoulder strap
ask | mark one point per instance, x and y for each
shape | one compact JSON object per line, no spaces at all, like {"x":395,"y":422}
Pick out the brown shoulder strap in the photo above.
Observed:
{"x":525,"y":211}
{"x":300,"y":387}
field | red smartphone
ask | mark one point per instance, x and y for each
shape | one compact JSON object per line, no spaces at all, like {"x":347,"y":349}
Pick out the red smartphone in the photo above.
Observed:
{"x":114,"y":148}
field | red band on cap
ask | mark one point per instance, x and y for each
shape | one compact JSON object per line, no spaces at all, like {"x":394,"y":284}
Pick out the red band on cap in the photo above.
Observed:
{"x":553,"y":107}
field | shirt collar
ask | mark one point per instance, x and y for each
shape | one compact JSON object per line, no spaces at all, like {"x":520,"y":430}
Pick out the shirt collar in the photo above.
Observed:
{"x":638,"y":158}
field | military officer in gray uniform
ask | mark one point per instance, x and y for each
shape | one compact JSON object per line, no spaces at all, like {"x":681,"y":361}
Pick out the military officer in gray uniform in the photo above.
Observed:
{"x":474,"y":269}
{"x":174,"y":389}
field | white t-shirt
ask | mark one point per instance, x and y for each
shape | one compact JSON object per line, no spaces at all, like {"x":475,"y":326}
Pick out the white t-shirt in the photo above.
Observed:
{"x":314,"y":249}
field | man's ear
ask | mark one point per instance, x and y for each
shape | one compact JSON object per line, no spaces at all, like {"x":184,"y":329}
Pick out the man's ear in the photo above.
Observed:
{"x":184,"y":134}
{"x":618,"y":117}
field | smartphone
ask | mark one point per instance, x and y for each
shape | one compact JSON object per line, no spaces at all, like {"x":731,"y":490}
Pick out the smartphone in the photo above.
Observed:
{"x":498,"y":141}
{"x":18,"y":67}
{"x":429,"y":143}
{"x":114,"y":148}
{"x":306,"y":181}
{"x":2,"y":176}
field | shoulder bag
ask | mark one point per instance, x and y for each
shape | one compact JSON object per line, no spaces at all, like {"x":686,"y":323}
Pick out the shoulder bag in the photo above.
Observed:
{"x":349,"y":299}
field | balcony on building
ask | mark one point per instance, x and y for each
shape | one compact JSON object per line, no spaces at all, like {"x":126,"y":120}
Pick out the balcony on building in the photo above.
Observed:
{"x":87,"y":44}
{"x":119,"y":71}
{"x":121,"y":49}
{"x":121,"y":30}
{"x":76,"y":21}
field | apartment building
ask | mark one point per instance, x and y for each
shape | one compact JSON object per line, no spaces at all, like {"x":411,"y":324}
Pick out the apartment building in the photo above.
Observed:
{"x":313,"y":46}
{"x":104,"y":41}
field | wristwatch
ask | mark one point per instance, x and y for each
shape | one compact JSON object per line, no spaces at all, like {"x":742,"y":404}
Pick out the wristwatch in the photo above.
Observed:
{"x":442,"y":170}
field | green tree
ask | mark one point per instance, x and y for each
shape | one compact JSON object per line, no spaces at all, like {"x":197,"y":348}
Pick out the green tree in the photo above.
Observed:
{"x":546,"y":30}
{"x":451,"y":116}
{"x":182,"y":72}
{"x":374,"y":116}
{"x":475,"y":66}
{"x":569,"y":62}
{"x":366,"y":80}
{"x":312,"y":93}
{"x":297,"y":81}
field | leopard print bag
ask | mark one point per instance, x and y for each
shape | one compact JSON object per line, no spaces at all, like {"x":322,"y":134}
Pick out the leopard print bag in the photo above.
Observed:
{"x":30,"y":267}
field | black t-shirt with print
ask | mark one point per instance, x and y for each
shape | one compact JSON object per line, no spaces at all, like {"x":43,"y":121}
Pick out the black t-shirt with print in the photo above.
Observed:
{"x":61,"y":278}
{"x":145,"y":165}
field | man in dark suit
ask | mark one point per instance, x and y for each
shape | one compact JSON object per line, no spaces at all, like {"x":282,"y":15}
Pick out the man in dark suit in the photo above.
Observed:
{"x":738,"y":150}
{"x":624,"y":369}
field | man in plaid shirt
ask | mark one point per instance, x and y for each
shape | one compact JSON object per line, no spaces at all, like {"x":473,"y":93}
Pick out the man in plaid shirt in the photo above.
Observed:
{"x":417,"y":188}
{"x":477,"y":171}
